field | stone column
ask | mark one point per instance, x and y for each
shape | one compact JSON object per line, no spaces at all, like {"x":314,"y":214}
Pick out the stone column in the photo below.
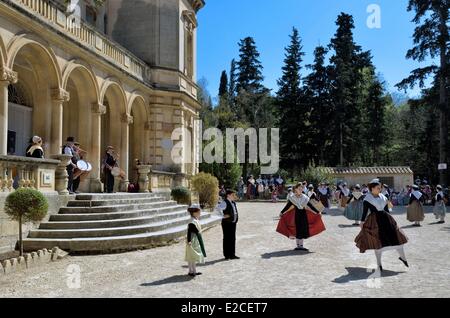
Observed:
{"x":59,"y":97}
{"x":127,"y":120}
{"x":147,"y":137}
{"x":144,"y":171}
{"x":61,"y":176}
{"x":6,"y":77}
{"x":95,"y":158}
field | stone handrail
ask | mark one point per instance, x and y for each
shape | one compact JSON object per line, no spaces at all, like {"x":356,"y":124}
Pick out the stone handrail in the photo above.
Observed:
{"x":52,"y":14}
{"x":22,"y":172}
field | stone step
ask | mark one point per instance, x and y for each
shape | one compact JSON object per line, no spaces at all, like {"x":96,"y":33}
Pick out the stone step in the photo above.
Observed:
{"x":74,"y":225}
{"x":117,"y":243}
{"x":115,"y":196}
{"x":115,"y":215}
{"x":98,"y":203}
{"x":114,"y":231}
{"x":116,"y":208}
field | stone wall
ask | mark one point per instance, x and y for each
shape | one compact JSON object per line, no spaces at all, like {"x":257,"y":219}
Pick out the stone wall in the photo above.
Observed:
{"x":9,"y":229}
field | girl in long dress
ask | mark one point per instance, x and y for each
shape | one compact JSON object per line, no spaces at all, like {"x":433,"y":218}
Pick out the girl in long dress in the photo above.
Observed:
{"x":379,"y":230}
{"x":354,"y":209}
{"x":195,"y":249}
{"x":415,"y":211}
{"x":300,"y":220}
{"x":440,"y":209}
{"x":343,"y":196}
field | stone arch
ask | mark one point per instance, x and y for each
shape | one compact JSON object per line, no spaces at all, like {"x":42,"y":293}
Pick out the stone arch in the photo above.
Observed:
{"x":115,"y":122}
{"x":80,"y":81}
{"x":38,"y":70}
{"x":139,"y":135}
{"x":3,"y":53}
{"x":41,"y":48}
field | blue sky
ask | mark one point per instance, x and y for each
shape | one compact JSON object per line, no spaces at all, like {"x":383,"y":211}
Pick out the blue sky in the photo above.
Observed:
{"x":222,"y":23}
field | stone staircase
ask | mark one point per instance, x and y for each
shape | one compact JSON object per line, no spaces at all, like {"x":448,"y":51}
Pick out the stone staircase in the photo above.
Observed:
{"x":103,"y":223}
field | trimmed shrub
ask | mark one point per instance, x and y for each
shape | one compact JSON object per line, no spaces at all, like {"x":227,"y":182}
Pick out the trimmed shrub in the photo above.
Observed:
{"x":182,"y":195}
{"x":207,"y":187}
{"x":315,"y":175}
{"x":26,"y":205}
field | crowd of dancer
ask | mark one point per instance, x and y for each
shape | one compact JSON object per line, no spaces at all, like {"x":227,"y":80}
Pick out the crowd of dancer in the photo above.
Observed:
{"x":369,"y":206}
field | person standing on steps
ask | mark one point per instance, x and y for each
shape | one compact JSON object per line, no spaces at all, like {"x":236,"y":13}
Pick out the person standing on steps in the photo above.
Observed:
{"x":229,"y":222}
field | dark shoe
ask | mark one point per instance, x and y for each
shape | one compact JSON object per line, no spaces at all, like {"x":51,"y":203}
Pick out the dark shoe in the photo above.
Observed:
{"x":404,"y":262}
{"x":192,"y":275}
{"x":441,"y":222}
{"x":235,"y":257}
{"x":381,"y":268}
{"x":301,"y":249}
{"x":197,"y":274}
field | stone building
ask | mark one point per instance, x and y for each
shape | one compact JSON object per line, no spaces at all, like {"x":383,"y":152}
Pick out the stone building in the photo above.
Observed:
{"x":123,"y":74}
{"x":395,"y":177}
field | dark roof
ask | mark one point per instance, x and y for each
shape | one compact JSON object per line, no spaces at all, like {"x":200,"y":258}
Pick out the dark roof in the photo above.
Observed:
{"x":368,"y":170}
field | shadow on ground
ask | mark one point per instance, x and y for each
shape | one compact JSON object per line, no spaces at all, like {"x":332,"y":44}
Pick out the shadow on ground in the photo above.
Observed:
{"x":171,"y":280}
{"x":284,"y":254}
{"x":210,"y":263}
{"x":360,"y":273}
{"x":347,"y":226}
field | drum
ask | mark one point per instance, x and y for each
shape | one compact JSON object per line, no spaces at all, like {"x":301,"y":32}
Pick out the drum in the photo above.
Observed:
{"x":82,"y":165}
{"x":89,"y":168}
{"x":116,"y":172}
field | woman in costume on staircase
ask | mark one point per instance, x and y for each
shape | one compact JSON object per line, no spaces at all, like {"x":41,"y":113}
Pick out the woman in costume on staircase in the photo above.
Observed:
{"x":195,"y":249}
{"x":300,"y":220}
{"x":415,"y":211}
{"x":379,"y":230}
{"x":354,"y":209}
{"x":440,"y":209}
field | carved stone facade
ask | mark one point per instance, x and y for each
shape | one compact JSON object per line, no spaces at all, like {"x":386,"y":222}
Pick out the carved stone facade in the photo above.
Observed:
{"x":82,"y":84}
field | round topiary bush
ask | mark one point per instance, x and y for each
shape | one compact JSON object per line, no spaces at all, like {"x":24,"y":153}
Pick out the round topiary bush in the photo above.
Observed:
{"x":26,"y":205}
{"x":181,"y":194}
{"x":207,"y":187}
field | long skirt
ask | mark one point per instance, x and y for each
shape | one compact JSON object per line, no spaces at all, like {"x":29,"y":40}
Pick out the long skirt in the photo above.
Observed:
{"x":380,"y":231}
{"x":324,"y":200}
{"x":415,"y":212}
{"x":440,"y":210}
{"x":300,"y":224}
{"x":343,"y":203}
{"x":354,"y":211}
{"x":194,"y":253}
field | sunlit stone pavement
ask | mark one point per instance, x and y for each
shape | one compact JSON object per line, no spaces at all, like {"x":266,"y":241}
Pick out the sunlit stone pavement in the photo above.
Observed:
{"x":269,"y":267}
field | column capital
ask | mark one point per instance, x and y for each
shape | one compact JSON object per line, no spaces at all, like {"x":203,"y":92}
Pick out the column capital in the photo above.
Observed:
{"x":98,"y":108}
{"x":61,"y":95}
{"x":7,"y":75}
{"x":127,"y":119}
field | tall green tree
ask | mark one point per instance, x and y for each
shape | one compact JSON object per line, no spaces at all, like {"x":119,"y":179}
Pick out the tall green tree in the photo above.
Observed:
{"x":293,"y":111}
{"x":431,"y":39}
{"x":249,"y":67}
{"x":318,"y":96}
{"x":347,"y":63}
{"x":223,"y":88}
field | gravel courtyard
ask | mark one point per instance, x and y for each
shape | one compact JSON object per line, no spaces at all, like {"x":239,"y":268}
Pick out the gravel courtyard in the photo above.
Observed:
{"x":269,"y":267}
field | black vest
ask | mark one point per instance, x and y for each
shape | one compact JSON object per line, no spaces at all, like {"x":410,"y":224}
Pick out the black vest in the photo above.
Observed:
{"x":229,"y":211}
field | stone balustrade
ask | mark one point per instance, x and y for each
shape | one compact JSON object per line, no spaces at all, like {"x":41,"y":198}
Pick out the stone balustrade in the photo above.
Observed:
{"x":22,"y":172}
{"x":55,"y":16}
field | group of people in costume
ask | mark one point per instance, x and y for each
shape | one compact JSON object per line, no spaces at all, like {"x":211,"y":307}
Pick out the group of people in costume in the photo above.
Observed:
{"x":369,"y":207}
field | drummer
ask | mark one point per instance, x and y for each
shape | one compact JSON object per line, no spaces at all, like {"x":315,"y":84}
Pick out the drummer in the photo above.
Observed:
{"x":68,"y":149}
{"x":109,"y":162}
{"x":82,"y":167}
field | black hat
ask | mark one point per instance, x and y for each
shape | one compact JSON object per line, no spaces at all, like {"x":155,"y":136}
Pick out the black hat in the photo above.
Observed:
{"x":70,"y":139}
